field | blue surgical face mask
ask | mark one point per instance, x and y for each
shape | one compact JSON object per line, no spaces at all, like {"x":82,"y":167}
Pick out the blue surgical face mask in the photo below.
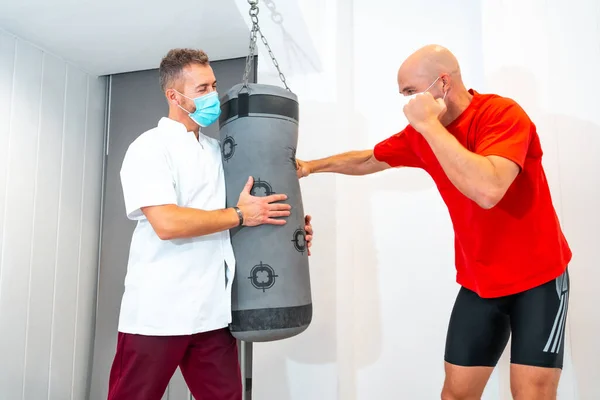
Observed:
{"x":208,"y":109}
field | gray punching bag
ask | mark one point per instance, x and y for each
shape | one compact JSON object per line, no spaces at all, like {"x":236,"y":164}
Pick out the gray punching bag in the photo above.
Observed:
{"x":271,"y":294}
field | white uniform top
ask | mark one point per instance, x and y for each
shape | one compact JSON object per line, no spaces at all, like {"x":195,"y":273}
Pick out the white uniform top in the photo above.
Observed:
{"x":180,"y":286}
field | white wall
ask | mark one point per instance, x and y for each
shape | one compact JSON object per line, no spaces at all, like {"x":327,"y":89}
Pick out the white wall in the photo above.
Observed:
{"x":51,"y":152}
{"x":383,"y":277}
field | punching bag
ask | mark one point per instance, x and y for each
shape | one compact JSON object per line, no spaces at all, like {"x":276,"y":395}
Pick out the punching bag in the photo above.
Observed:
{"x":271,"y":294}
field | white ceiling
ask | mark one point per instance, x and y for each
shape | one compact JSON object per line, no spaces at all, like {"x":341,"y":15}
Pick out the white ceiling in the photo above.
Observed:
{"x":113,"y":36}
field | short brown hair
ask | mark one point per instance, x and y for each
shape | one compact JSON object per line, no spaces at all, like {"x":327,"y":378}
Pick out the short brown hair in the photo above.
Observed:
{"x":174,"y":62}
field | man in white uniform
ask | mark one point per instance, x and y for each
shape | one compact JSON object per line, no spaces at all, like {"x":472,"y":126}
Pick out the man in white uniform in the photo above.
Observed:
{"x":177,"y":301}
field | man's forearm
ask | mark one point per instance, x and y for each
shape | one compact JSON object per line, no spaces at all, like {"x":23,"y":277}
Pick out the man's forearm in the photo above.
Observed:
{"x":173,"y":222}
{"x":350,"y":163}
{"x":472,"y":174}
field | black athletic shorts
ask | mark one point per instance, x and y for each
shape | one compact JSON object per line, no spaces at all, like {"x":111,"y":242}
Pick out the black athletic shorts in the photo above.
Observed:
{"x":479,"y":328}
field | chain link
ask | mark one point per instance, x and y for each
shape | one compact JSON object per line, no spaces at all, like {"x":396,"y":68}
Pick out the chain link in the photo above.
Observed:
{"x":250,"y":57}
{"x":252,"y":46}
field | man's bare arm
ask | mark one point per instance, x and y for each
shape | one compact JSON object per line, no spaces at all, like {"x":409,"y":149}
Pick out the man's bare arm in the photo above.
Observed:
{"x":350,"y":163}
{"x":173,"y":222}
{"x":485,"y":180}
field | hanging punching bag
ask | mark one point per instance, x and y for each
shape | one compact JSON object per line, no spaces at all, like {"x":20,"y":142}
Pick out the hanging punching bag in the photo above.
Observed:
{"x":271,"y":294}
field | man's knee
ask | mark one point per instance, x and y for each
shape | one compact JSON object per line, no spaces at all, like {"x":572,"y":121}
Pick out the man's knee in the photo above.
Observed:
{"x":449,"y":393}
{"x":464,"y":383}
{"x":534,"y":390}
{"x":527,"y":382}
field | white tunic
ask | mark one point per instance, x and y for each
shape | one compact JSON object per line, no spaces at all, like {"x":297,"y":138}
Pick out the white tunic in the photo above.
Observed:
{"x":181,"y":286}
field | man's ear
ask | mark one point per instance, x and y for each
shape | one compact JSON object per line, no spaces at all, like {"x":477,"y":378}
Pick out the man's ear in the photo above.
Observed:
{"x":171,"y":96}
{"x":446,"y":82}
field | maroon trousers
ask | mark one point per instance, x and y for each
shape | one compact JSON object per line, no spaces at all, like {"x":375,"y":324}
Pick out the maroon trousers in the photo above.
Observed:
{"x":144,"y":365}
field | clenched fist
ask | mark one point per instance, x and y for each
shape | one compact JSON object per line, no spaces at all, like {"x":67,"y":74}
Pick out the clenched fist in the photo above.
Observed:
{"x":302,"y":168}
{"x":424,"y":110}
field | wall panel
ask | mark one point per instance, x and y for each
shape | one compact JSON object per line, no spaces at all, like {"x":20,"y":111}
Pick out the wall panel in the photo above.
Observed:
{"x":51,"y":155}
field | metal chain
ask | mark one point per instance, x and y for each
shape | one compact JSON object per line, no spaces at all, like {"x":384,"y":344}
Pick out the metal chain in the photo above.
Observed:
{"x":250,"y":58}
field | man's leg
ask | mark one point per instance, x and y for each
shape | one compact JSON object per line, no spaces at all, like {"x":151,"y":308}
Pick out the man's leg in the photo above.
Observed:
{"x":538,"y":319}
{"x":211,"y":366}
{"x":533,"y":383}
{"x":144,"y":365}
{"x":477,"y":335}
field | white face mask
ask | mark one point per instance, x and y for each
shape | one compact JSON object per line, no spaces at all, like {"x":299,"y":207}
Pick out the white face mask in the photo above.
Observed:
{"x":407,"y":98}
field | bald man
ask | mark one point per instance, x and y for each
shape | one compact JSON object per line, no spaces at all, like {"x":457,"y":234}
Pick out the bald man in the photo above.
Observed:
{"x":511,"y":256}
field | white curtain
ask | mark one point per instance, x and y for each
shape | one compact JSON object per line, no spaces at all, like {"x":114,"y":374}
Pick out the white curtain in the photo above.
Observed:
{"x":382,"y":267}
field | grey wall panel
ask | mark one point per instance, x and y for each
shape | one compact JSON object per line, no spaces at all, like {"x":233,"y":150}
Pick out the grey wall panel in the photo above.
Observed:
{"x":69,"y":228}
{"x":88,"y":246}
{"x":137,"y":104}
{"x":51,"y":135}
{"x":18,"y":217}
{"x":7,"y":72}
{"x":45,"y":234}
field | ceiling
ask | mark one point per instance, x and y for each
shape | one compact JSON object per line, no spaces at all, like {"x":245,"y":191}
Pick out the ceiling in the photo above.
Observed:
{"x":113,"y":36}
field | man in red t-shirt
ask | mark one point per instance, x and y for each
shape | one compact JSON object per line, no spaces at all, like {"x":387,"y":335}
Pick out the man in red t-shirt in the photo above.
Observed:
{"x":484,"y":154}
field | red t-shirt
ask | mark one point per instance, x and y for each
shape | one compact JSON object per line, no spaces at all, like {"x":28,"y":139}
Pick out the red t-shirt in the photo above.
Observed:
{"x":516,"y":245}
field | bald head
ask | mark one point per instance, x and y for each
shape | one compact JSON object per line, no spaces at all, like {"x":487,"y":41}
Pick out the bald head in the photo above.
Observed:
{"x":426,"y":65}
{"x":434,"y":69}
